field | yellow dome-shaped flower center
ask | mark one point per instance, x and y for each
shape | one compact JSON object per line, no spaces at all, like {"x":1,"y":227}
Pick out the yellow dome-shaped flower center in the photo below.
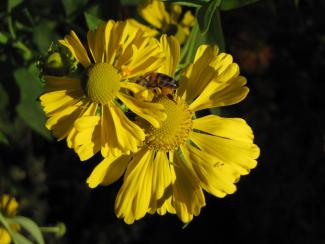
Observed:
{"x":103,"y":83}
{"x":174,"y":130}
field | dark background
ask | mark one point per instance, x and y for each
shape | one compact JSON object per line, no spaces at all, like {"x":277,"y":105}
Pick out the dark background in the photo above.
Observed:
{"x":280,"y":48}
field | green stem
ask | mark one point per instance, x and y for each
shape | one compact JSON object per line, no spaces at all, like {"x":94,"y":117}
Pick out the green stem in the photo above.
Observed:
{"x":192,"y":50}
{"x":26,"y":52}
{"x":11,"y":27}
{"x":53,"y":229}
{"x":59,"y":230}
{"x":188,"y":51}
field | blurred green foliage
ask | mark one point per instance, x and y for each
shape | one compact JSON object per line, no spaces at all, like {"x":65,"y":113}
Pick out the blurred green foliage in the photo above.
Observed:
{"x":24,"y":224}
{"x":26,"y":32}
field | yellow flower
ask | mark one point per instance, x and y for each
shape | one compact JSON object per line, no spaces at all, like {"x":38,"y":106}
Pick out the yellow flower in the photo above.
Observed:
{"x":8,"y":207}
{"x":163,"y":21}
{"x":116,"y":52}
{"x":4,"y":236}
{"x":186,"y":155}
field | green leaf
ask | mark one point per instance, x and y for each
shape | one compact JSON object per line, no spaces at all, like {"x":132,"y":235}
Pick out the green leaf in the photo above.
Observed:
{"x":71,"y":6}
{"x":3,"y":38}
{"x":233,"y":4}
{"x":16,"y":237}
{"x":195,"y":39}
{"x":44,"y":34}
{"x":205,"y":13}
{"x":29,"y":108}
{"x":30,"y":226}
{"x":20,"y":239}
{"x":190,"y":3}
{"x":24,"y":51}
{"x":3,"y":139}
{"x":92,"y":21}
{"x":12,"y":4}
{"x":215,"y":32}
{"x":214,"y":35}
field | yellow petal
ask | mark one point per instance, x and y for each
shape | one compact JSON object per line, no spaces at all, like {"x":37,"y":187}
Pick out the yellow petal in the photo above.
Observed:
{"x":129,"y":134}
{"x":112,"y":38}
{"x":150,"y":31}
{"x":216,"y":178}
{"x":162,"y":207}
{"x":216,"y":95}
{"x":133,"y":199}
{"x":221,"y":62}
{"x":98,"y":42}
{"x":62,"y":121}
{"x":63,"y":112}
{"x":87,"y":122}
{"x":56,"y":83}
{"x":59,"y":100}
{"x":195,"y":77}
{"x":134,"y":87}
{"x":118,"y":132}
{"x":206,"y":52}
{"x":152,"y":112}
{"x":4,"y":236}
{"x":88,"y":110}
{"x":171,"y":48}
{"x":181,"y":33}
{"x":183,"y":27}
{"x":224,"y":80}
{"x":120,"y":35}
{"x":139,"y":92}
{"x":73,"y":43}
{"x":108,"y":171}
{"x":140,"y":59}
{"x":231,"y":128}
{"x":161,"y":184}
{"x":154,"y":13}
{"x":188,"y":198}
{"x":241,"y":155}
{"x":8,"y":205}
{"x":86,"y":141}
{"x":175,"y":11}
{"x":108,"y":138}
{"x":188,"y":19}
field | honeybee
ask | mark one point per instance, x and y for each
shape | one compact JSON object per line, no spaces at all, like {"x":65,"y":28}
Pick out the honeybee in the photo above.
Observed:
{"x":166,"y":84}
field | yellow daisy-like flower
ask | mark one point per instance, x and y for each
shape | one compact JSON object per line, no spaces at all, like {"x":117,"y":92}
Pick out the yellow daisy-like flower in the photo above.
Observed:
{"x":8,"y":207}
{"x":163,"y":21}
{"x":115,"y":52}
{"x":186,"y":155}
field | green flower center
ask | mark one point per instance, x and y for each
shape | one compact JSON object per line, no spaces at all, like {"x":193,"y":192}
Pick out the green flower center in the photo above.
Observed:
{"x":174,"y":131}
{"x":103,"y":83}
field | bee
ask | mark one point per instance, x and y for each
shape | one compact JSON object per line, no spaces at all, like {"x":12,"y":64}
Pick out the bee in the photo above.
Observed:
{"x":166,"y":84}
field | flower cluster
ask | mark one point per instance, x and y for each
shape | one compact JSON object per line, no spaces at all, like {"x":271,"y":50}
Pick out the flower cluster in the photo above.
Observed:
{"x":160,"y":20}
{"x":126,"y":101}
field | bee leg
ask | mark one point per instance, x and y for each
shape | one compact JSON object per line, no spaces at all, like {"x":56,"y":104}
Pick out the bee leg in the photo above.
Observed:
{"x":171,"y":97}
{"x":156,"y":90}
